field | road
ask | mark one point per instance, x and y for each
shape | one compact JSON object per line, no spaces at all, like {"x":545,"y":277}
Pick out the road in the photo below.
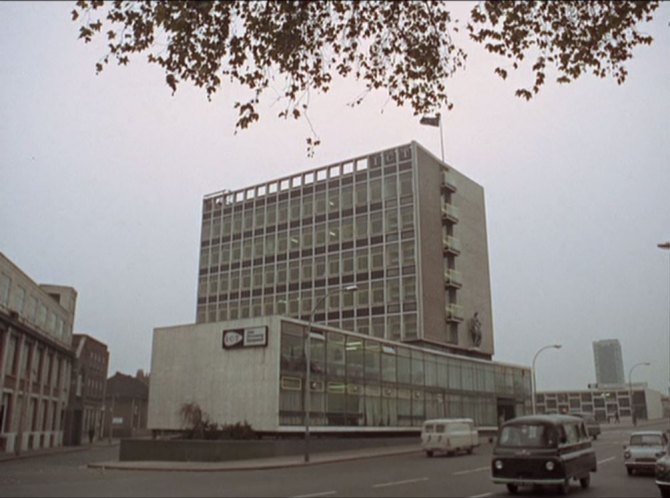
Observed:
{"x":402,"y":475}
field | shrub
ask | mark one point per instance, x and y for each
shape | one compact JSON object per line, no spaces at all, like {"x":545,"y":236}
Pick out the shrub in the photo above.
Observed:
{"x":197,"y":425}
{"x":238,"y":431}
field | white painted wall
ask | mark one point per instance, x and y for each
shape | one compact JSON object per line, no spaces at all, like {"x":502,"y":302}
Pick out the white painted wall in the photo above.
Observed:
{"x":654,"y":404}
{"x":189,"y":364}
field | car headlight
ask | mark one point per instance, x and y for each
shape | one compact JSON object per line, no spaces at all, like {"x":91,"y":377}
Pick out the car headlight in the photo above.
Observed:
{"x":498,"y":464}
{"x":549,"y":466}
{"x":626,"y":454}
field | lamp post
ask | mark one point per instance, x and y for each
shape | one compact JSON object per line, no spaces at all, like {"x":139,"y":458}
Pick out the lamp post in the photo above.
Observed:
{"x":551,"y":346}
{"x":630,"y":388}
{"x":308,"y":366}
{"x":666,"y":246}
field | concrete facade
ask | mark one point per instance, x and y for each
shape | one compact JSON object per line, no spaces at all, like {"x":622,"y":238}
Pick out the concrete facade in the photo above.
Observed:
{"x":408,"y":230}
{"x":35,"y":359}
{"x":189,"y":364}
{"x":466,"y":224}
{"x":357,"y":383}
{"x":403,"y":229}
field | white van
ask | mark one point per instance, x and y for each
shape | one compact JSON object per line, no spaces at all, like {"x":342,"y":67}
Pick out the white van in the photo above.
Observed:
{"x":449,"y":435}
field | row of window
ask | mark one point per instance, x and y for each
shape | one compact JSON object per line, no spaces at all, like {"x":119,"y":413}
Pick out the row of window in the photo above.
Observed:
{"x":584,"y":396}
{"x":329,"y":175}
{"x":94,"y":387}
{"x":376,"y":406}
{"x":376,"y":292}
{"x":339,"y":356}
{"x":42,"y":416}
{"x":357,"y":381}
{"x":32,"y":309}
{"x":43,"y":366}
{"x":391,"y":192}
{"x":362,"y":229}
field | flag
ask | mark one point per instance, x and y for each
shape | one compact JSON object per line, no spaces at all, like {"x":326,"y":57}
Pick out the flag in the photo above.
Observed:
{"x":430,"y":120}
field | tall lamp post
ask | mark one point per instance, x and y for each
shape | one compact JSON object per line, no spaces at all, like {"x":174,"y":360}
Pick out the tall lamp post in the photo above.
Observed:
{"x":308,"y":366}
{"x":666,"y":246}
{"x":630,"y":388}
{"x":551,"y":346}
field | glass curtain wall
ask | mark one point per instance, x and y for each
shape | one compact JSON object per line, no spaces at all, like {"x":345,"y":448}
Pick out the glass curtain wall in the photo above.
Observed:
{"x":364,"y":382}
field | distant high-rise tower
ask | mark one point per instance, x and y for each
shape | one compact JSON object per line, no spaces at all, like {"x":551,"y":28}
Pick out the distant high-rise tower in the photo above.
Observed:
{"x":609,"y":362}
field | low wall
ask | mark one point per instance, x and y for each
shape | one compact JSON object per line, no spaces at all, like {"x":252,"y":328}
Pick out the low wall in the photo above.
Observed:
{"x":188,"y":450}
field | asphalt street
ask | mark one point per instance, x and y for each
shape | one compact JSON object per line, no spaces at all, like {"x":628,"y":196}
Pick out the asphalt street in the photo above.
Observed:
{"x":411,"y":474}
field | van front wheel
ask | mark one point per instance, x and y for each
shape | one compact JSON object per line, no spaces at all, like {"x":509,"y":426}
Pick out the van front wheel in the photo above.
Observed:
{"x":513,"y":488}
{"x":429,"y":453}
{"x":564,"y":488}
{"x":585,"y":481}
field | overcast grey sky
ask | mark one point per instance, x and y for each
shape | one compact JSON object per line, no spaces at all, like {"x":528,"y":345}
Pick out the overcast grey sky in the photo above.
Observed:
{"x":102,"y":178}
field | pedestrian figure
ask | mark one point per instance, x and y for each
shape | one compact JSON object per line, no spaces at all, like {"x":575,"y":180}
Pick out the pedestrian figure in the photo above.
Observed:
{"x":91,"y":433}
{"x":616,"y":417}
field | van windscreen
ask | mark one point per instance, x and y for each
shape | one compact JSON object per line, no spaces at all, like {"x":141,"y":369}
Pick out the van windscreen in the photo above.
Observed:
{"x":527,"y":436}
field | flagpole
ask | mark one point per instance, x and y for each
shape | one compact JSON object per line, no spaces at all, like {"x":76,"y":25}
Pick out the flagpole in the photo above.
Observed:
{"x":430,"y":121}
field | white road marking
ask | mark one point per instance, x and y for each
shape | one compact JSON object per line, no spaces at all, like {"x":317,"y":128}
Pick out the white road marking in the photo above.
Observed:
{"x":600,"y":462}
{"x":482,"y":495}
{"x":323,"y":493}
{"x":463,"y":472}
{"x":397,"y":483}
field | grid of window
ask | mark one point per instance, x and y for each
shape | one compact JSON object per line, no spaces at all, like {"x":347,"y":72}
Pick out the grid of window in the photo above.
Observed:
{"x":279,"y":248}
{"x":365,"y":382}
{"x":601,"y":404}
{"x":45,"y":315}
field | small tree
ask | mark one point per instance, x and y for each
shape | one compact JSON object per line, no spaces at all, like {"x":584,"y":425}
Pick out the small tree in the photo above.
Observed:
{"x":196,"y":421}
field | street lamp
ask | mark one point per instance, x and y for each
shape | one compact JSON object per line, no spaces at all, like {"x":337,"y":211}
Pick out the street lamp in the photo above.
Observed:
{"x":630,"y":388}
{"x":666,"y":246}
{"x":551,"y":346}
{"x":308,"y":366}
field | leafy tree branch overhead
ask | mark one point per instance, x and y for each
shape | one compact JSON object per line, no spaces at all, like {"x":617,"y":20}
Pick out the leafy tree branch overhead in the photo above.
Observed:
{"x":404,"y":48}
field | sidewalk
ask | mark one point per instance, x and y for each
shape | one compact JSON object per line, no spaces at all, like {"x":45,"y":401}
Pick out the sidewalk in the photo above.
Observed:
{"x":259,"y":463}
{"x":6,"y":457}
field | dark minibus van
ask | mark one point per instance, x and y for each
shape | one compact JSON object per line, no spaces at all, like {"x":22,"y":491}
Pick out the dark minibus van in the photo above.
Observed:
{"x":543,"y":450}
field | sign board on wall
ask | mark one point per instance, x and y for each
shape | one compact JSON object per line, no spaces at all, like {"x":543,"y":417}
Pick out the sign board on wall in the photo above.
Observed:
{"x":245,"y":338}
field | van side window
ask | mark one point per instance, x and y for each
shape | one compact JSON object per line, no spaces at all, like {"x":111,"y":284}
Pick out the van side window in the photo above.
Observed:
{"x":440,"y":428}
{"x":583,"y":433}
{"x":430,"y":428}
{"x":572,"y":433}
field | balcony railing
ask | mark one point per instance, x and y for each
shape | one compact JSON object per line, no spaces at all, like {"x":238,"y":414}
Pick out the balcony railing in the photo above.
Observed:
{"x":450,"y":213}
{"x":451,"y":244}
{"x":448,"y":181}
{"x":454,"y":312}
{"x":453,"y":278}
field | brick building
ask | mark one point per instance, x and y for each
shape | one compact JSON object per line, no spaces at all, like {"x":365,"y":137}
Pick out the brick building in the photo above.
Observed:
{"x":87,"y":392}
